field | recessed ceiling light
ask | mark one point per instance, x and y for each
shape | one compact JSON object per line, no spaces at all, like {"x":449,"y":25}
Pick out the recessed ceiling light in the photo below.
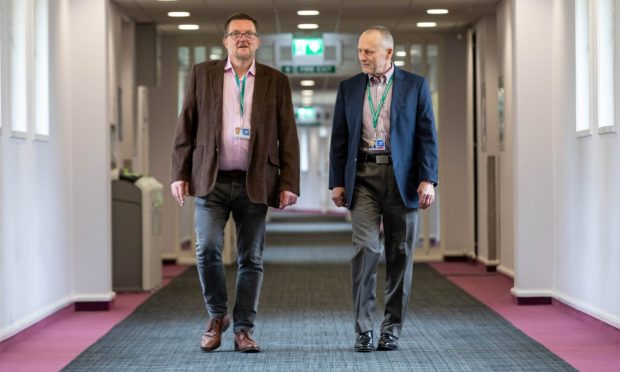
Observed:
{"x":401,"y":53}
{"x":307,"y":12}
{"x":399,"y":63}
{"x":426,"y":24}
{"x":307,"y":26}
{"x":307,"y":83}
{"x":189,"y":27}
{"x":178,"y":14}
{"x":307,"y":93}
{"x":437,"y":11}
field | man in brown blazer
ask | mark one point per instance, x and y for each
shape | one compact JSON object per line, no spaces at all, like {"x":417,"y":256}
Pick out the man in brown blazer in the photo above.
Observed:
{"x":236,"y":150}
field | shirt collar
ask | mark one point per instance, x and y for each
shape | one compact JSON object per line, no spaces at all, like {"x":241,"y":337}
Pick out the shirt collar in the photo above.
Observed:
{"x":251,"y":71}
{"x":385,"y":77}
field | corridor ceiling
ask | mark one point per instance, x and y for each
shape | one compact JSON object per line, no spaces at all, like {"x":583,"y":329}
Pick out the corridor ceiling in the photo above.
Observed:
{"x":280,"y":16}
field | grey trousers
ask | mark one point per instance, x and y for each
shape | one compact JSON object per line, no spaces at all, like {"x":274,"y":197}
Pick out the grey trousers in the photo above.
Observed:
{"x":212,"y":211}
{"x":376,"y":196}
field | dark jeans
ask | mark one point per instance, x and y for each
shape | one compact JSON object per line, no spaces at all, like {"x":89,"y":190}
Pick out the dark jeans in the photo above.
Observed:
{"x":376,"y":196}
{"x":212,"y":212}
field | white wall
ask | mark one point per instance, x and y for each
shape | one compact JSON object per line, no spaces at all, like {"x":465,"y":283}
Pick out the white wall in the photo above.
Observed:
{"x":55,"y":194}
{"x":456,"y":212}
{"x":533,"y":147}
{"x":486,"y":126}
{"x":90,"y":146}
{"x":35,"y":195}
{"x":567,"y":205}
{"x":506,"y":157}
{"x":163,"y":117}
{"x":587,"y":180}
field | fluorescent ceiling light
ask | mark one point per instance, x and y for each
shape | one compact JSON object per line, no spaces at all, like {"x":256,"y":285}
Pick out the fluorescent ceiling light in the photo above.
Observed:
{"x":307,"y":26}
{"x":306,"y":101}
{"x":426,"y":24}
{"x":307,"y":83}
{"x":307,"y":12}
{"x":399,"y":63}
{"x":178,"y":14}
{"x":215,"y":56}
{"x":189,"y":27}
{"x":307,"y":92}
{"x":437,"y":11}
{"x":401,"y":53}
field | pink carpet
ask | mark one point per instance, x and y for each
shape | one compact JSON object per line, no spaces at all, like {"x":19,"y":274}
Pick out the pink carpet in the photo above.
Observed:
{"x":52,"y":343}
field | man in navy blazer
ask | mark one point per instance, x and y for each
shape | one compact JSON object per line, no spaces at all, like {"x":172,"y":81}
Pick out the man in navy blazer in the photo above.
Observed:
{"x":383,"y":167}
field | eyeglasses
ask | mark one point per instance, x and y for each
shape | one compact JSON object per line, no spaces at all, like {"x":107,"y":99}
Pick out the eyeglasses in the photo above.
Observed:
{"x":236,"y":35}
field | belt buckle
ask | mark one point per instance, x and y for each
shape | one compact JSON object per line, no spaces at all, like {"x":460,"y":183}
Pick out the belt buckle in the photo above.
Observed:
{"x":382,"y":159}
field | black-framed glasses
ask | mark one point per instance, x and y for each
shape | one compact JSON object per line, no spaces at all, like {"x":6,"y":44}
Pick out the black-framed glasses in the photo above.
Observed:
{"x":236,"y":35}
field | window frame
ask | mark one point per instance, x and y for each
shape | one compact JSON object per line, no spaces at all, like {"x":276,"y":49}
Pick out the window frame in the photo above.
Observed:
{"x":583,"y":67}
{"x":606,"y":66}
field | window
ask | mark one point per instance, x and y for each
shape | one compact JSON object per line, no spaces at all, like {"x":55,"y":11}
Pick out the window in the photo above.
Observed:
{"x":187,"y":56}
{"x":605,"y":71}
{"x":582,"y":64}
{"x":595,"y":65}
{"x":19,"y":34}
{"x":25,"y":63}
{"x":24,"y":58}
{"x":3,"y":53}
{"x":200,"y":54}
{"x":416,"y":59}
{"x":41,"y":70}
{"x":183,"y":59}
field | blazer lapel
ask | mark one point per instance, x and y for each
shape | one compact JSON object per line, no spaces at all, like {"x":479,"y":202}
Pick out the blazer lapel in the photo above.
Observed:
{"x":357,"y":97}
{"x":399,"y":89}
{"x":261,"y":83}
{"x":217,"y":86}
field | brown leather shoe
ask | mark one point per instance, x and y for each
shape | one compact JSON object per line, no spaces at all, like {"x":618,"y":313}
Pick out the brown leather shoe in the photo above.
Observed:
{"x":212,"y":338}
{"x":244,"y":343}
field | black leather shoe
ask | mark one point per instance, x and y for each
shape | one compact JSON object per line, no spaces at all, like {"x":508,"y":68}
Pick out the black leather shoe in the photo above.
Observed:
{"x":364,"y":342}
{"x":387,"y":342}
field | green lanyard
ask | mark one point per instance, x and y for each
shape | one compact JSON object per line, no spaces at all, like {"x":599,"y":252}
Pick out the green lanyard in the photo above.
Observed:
{"x":375,"y":112}
{"x":241,"y":87}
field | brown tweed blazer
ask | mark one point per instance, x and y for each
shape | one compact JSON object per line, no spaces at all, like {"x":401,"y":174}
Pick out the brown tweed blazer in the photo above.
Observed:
{"x":274,"y":147}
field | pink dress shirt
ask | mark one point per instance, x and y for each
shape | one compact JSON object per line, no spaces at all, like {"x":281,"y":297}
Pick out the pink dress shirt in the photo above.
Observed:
{"x":377,"y":87}
{"x":234,"y":152}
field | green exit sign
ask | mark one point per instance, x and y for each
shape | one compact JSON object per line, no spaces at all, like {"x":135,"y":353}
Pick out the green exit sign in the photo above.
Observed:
{"x":320,"y":69}
{"x":308,"y":47}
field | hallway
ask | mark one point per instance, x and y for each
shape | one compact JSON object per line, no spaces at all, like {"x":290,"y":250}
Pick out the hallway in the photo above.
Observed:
{"x":525,"y":96}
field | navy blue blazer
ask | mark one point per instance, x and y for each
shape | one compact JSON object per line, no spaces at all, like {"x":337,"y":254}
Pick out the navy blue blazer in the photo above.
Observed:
{"x":413,"y":136}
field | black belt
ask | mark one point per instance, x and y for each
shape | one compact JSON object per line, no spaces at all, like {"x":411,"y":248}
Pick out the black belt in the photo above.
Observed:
{"x":232,"y":173}
{"x":374,"y":158}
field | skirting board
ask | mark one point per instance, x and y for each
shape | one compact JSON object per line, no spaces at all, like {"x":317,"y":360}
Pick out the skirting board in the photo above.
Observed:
{"x":489,"y":265}
{"x":598,"y":314}
{"x":34,"y":318}
{"x":94,"y":302}
{"x":506,"y":271}
{"x":186,"y":260}
{"x":529,"y":297}
{"x":433,"y":257}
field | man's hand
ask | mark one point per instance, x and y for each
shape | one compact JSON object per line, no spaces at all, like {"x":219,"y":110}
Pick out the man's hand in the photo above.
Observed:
{"x":179,"y":189}
{"x":426,"y":194}
{"x":338,"y":197}
{"x":287,"y":199}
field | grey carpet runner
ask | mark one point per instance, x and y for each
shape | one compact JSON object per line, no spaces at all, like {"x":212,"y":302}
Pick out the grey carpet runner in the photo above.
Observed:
{"x":305,"y":324}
